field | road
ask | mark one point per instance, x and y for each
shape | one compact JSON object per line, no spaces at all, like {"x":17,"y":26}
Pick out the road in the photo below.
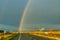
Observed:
{"x":16,"y":37}
{"x":32,"y":37}
{"x":29,"y":37}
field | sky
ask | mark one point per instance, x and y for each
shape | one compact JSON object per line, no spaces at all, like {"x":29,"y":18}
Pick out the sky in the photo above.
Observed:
{"x":42,"y":14}
{"x":10,"y":13}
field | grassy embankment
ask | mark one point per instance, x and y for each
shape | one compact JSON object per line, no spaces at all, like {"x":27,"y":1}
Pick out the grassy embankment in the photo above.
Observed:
{"x":9,"y":37}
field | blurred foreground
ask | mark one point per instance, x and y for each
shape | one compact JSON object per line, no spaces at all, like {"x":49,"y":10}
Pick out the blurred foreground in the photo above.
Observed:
{"x":31,"y":35}
{"x":55,"y":34}
{"x":8,"y":35}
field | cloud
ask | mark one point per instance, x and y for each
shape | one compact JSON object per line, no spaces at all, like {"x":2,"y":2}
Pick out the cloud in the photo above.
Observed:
{"x":11,"y":11}
{"x":43,"y":12}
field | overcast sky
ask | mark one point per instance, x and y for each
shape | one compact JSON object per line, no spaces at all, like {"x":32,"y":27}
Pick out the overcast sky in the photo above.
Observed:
{"x":10,"y":13}
{"x":40,"y":14}
{"x":45,"y":12}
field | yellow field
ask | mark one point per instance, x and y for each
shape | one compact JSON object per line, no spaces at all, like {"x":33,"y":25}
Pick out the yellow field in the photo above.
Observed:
{"x":6,"y":35}
{"x":52,"y":34}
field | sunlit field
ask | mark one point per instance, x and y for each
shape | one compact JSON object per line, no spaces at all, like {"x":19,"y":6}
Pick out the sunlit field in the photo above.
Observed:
{"x":53,"y":34}
{"x":7,"y":35}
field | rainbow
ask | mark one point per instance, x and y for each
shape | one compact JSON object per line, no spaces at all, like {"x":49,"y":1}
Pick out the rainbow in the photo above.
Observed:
{"x":23,"y":15}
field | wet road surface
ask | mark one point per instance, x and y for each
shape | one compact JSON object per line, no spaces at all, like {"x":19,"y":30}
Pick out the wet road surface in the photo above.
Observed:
{"x":32,"y":37}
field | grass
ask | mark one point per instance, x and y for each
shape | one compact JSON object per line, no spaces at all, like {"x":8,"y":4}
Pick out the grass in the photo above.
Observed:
{"x":9,"y":37}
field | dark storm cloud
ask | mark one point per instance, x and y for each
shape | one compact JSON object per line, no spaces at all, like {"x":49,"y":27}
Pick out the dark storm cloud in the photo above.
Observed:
{"x":10,"y":14}
{"x":11,"y":11}
{"x":46,"y":13}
